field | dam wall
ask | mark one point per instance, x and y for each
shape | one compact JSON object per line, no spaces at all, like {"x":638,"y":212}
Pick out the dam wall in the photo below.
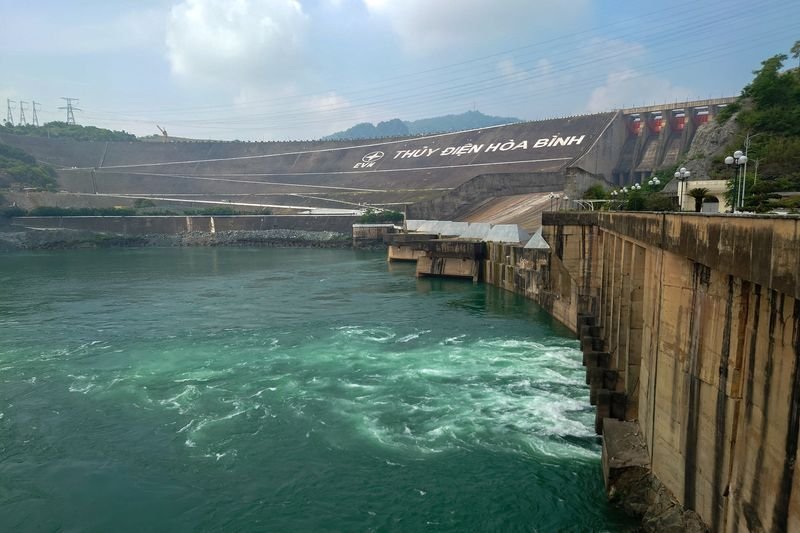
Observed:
{"x":690,"y":329}
{"x":142,"y":225}
{"x":426,"y":162}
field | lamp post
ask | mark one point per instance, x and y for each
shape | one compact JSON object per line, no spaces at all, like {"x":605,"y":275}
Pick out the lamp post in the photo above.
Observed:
{"x":739,"y":159}
{"x":613,"y":198}
{"x":654,"y":182}
{"x":553,"y":197}
{"x":681,"y":175}
{"x":566,"y":202}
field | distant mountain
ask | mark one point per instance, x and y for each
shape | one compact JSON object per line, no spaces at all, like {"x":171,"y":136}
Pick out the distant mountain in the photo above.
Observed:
{"x":399,"y":128}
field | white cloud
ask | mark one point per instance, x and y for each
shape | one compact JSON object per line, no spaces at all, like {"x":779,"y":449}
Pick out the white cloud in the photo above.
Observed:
{"x":631,"y":88}
{"x":287,"y":114}
{"x":425,"y":25}
{"x":138,"y":29}
{"x":237,"y":41}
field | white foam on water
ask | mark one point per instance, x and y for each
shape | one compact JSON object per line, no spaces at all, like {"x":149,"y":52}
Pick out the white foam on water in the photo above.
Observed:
{"x":412,"y":336}
{"x":458,"y":339}
{"x":183,"y":400}
{"x":368,"y":333}
{"x":85,"y":389}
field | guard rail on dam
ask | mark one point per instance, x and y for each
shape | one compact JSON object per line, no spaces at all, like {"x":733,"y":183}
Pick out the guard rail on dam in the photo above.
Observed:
{"x":690,"y":329}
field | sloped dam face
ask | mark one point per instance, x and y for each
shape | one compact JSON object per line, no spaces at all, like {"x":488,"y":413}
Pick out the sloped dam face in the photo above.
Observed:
{"x":284,"y":390}
{"x":347,"y":171}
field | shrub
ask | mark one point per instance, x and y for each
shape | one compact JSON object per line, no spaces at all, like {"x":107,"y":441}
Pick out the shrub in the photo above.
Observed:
{"x":140,"y":203}
{"x":8,"y":212}
{"x":373,"y":216}
{"x":595,"y":192}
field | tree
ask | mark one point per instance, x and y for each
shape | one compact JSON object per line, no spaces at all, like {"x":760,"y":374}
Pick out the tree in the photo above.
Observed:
{"x":699,"y":194}
{"x":595,"y":192}
{"x":796,"y":52}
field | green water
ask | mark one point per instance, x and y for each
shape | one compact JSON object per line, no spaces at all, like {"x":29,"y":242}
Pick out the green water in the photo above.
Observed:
{"x":284,"y":390}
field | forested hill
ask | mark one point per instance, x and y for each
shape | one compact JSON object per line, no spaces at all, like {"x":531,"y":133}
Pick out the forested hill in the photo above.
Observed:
{"x":769,"y":113}
{"x":19,"y":169}
{"x":399,"y":128}
{"x":68,"y":131}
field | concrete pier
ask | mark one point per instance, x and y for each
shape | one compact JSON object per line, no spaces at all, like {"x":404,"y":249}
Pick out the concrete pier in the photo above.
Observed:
{"x":690,"y":329}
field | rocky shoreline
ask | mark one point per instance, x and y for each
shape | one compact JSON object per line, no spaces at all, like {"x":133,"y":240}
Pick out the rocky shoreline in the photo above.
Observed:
{"x":15,"y":239}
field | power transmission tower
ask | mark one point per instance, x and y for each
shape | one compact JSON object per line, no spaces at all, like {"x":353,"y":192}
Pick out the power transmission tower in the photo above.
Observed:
{"x":10,"y":115}
{"x":35,"y":118}
{"x":70,"y":109}
{"x":22,"y":120}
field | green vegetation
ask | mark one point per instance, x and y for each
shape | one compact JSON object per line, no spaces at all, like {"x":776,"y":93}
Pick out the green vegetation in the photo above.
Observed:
{"x":596,"y":192}
{"x":699,"y":194}
{"x":47,"y":211}
{"x":69,"y":131}
{"x":648,"y":198}
{"x":141,"y":203}
{"x":8,"y":212}
{"x":769,"y":113}
{"x":19,"y":169}
{"x":222,"y":211}
{"x":374,"y":216}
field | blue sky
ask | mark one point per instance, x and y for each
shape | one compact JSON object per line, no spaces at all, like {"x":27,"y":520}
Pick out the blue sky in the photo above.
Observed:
{"x":300,"y":69}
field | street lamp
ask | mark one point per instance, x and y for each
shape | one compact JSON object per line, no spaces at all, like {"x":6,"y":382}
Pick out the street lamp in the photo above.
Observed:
{"x":739,"y":159}
{"x":566,"y":202}
{"x":681,"y":175}
{"x":654,"y":181}
{"x":553,"y":197}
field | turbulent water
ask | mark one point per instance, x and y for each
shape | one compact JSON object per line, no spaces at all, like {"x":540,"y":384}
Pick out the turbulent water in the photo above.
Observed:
{"x":284,"y":390}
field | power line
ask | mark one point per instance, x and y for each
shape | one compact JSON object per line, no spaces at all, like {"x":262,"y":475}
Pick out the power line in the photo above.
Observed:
{"x":22,"y":120}
{"x":699,"y":22}
{"x":70,"y":109}
{"x":10,"y":115}
{"x":489,"y":85}
{"x":34,"y":103}
{"x":480,"y":76}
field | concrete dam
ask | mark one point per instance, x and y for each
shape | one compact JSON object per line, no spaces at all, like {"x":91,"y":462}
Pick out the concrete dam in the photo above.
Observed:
{"x":690,"y":332}
{"x":690,"y":326}
{"x":494,"y":174}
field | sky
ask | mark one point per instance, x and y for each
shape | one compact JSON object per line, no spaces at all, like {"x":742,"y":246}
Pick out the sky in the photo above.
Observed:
{"x":302,"y":69}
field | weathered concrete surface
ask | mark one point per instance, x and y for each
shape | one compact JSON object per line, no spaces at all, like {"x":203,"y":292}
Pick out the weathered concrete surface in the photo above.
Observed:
{"x":58,"y":239}
{"x":140,"y":225}
{"x":371,"y":234}
{"x":451,"y":258}
{"x":689,"y":324}
{"x":631,"y":485}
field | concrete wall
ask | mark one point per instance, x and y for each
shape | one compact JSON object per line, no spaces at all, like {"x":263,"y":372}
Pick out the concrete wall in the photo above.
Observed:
{"x":173,"y":225}
{"x":690,"y":325}
{"x":451,"y":205}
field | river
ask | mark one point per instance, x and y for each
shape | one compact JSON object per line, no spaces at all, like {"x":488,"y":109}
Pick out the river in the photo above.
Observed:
{"x":250,"y":389}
